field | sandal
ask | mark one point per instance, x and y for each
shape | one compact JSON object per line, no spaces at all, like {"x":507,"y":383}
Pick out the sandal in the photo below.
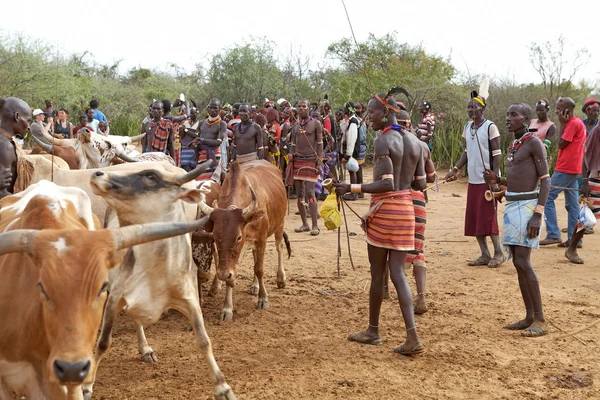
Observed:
{"x":535,"y":330}
{"x":302,"y":229}
{"x":362,"y":337}
{"x":418,"y":349}
{"x":315,"y":232}
{"x":518,"y":326}
{"x":496,"y":263}
{"x":479,"y":262}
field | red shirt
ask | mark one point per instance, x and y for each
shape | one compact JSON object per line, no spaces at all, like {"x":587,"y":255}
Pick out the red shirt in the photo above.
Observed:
{"x":327,"y":124}
{"x":571,"y":157}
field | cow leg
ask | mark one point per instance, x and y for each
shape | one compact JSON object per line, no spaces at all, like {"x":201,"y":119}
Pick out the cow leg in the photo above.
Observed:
{"x":192,"y":310}
{"x":227,"y":311}
{"x":263,"y":300}
{"x":215,"y":287}
{"x":254,"y":288}
{"x":146,"y":353}
{"x":280,"y":249}
{"x":114,"y":304}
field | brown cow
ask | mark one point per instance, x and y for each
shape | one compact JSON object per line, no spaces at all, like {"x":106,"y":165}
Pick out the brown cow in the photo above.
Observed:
{"x":252,"y":207}
{"x":54,"y":267}
{"x":68,"y":154}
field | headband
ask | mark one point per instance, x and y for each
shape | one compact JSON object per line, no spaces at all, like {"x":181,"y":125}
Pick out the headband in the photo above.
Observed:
{"x":386,"y":105}
{"x":479,"y":100}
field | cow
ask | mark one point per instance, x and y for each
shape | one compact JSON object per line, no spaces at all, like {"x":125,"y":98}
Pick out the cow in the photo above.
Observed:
{"x":54,"y":265}
{"x":159,"y":276}
{"x":251,"y":207}
{"x":66,"y":153}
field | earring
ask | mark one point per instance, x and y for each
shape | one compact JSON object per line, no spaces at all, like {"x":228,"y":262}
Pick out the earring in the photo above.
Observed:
{"x":384,"y":120}
{"x":526,"y":127}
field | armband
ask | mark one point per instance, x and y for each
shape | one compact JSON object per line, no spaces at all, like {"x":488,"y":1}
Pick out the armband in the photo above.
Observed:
{"x":387,"y":177}
{"x":547,"y":143}
{"x":455,"y":168}
{"x":220,"y":140}
{"x":539,"y":209}
{"x":544,"y":176}
{"x":503,"y":181}
{"x":418,"y":178}
{"x":496,"y":153}
{"x":320,"y":142}
{"x":432,"y":174}
{"x":355,"y":188}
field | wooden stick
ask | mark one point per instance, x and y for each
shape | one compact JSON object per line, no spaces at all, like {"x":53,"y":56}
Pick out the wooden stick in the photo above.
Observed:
{"x":563,"y":331}
{"x":578,"y":331}
{"x":347,"y":236}
{"x":339,"y":249}
{"x":432,"y":186}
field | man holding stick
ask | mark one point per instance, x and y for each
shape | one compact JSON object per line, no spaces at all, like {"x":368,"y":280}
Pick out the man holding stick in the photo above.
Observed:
{"x":390,"y":223}
{"x":526,"y":166}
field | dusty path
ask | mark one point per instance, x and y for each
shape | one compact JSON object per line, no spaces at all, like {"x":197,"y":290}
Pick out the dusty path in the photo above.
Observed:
{"x":298,"y":349}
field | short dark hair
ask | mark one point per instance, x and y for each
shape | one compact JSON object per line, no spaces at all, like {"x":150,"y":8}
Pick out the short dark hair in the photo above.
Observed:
{"x":88,"y":109}
{"x":526,"y":108}
{"x":94,"y":103}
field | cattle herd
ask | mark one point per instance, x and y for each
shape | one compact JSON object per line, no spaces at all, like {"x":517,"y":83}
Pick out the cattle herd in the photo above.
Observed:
{"x":79,"y":245}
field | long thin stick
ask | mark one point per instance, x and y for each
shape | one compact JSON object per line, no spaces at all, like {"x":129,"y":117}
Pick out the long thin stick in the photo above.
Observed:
{"x":348,"y":236}
{"x":339,"y":249}
{"x":563,"y":331}
{"x":432,"y":186}
{"x":364,"y":70}
{"x":578,"y":331}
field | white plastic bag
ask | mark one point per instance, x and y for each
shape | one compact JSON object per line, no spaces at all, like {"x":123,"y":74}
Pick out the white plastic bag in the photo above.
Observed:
{"x":587,"y":219}
{"x":352,"y":165}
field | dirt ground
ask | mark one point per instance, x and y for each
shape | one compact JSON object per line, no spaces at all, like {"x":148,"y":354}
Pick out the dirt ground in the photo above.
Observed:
{"x":297,"y":349}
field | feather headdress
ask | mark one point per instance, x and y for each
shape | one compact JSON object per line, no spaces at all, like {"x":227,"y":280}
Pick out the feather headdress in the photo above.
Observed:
{"x":484,"y":93}
{"x":392,"y":92}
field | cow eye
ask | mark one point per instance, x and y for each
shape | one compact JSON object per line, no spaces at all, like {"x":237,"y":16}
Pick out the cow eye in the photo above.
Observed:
{"x":104,"y":288}
{"x":239,"y":239}
{"x":43,"y":291}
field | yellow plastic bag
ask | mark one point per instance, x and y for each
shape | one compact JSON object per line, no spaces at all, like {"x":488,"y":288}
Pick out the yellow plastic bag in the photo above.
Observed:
{"x":330,"y":214}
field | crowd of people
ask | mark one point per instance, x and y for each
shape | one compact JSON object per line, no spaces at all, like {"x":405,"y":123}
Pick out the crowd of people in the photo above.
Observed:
{"x":309,"y":142}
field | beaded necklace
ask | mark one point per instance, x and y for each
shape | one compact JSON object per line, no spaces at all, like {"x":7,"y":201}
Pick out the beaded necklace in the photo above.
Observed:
{"x":216,"y":121}
{"x":474,"y":131}
{"x":239,"y":127}
{"x":394,"y":127}
{"x":514,"y":146}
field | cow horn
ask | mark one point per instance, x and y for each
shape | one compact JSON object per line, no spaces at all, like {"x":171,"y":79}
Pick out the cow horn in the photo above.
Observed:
{"x":193,"y":174}
{"x":123,"y":156}
{"x":17,"y":241}
{"x":137,"y":138}
{"x":205,"y":208}
{"x":58,"y":142}
{"x":137,"y":234}
{"x":45,"y":146}
{"x":251,"y":208}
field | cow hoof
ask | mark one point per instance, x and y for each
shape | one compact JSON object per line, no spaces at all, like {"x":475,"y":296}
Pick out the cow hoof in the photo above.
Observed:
{"x":281,"y":285}
{"x":224,"y":392}
{"x":262,"y":304}
{"x":149,"y":357}
{"x":253,"y":290}
{"x":226,"y":315}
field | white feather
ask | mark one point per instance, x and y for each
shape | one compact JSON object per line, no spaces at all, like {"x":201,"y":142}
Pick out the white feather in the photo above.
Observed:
{"x":484,"y":88}
{"x":266,"y":100}
{"x":181,"y":97}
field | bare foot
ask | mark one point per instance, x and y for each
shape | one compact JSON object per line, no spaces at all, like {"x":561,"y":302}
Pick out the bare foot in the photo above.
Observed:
{"x":573,"y":256}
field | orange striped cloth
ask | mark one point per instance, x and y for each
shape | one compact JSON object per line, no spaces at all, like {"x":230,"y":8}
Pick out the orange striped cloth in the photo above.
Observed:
{"x":595,"y":196}
{"x":390,"y":222}
{"x":418,"y":199}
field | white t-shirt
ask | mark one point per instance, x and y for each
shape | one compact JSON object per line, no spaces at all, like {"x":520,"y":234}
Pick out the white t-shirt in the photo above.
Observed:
{"x":475,"y":165}
{"x":93,"y":125}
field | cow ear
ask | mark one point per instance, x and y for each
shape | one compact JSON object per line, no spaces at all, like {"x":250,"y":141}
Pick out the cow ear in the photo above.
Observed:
{"x":256,"y":216}
{"x":191,"y":195}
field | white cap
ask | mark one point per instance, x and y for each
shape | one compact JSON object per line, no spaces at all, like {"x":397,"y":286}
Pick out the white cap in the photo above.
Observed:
{"x":37,"y":112}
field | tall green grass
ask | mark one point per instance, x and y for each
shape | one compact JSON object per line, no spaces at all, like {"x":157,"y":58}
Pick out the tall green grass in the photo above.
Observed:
{"x":126,"y":125}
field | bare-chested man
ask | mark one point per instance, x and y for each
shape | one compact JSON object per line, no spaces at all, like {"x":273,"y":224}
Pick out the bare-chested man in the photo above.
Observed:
{"x":247,"y":138}
{"x":306,"y":157}
{"x":526,"y":167}
{"x":211,"y":141}
{"x":390,"y":225}
{"x":15,"y":116}
{"x":159,"y":132}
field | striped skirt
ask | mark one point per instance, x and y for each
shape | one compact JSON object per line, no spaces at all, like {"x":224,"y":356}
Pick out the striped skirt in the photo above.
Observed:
{"x":390,"y":222}
{"x":305,"y":168}
{"x":595,"y":196}
{"x":205,"y":154}
{"x":418,"y":199}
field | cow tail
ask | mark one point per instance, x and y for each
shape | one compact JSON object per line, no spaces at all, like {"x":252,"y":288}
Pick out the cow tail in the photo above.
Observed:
{"x":287,"y":244}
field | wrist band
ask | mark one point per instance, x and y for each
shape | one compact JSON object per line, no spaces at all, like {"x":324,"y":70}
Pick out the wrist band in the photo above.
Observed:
{"x":220,"y":140}
{"x":539,"y":209}
{"x":503,"y":181}
{"x":544,"y":176}
{"x":355,"y":188}
{"x":455,"y":168}
{"x":496,"y":153}
{"x":387,"y":177}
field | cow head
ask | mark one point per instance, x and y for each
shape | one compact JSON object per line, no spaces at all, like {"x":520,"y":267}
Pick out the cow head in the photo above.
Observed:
{"x":72,"y":283}
{"x":149,"y":192}
{"x":229,"y":232}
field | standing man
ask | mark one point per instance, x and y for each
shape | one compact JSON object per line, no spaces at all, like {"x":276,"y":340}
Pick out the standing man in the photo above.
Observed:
{"x":482,"y":153}
{"x":350,"y":144}
{"x":188,"y":132}
{"x":48,"y":110}
{"x":306,"y":157}
{"x":542,"y":127}
{"x":571,"y":139}
{"x":92,"y":122}
{"x":15,"y":116}
{"x":427,"y":124}
{"x":591,"y":108}
{"x":390,"y":225}
{"x":99,"y":115}
{"x":159,"y":132}
{"x":212,"y":134}
{"x":247,"y":138}
{"x":526,"y":168}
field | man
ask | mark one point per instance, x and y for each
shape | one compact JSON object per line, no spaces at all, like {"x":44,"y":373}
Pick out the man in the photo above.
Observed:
{"x":390,"y":224}
{"x":526,"y":167}
{"x":590,"y":188}
{"x":159,"y":132}
{"x":99,"y":115}
{"x":482,"y":152}
{"x":591,"y":108}
{"x":247,"y":138}
{"x":427,"y":124}
{"x":211,"y":135}
{"x":571,"y":138}
{"x":82,"y":124}
{"x":188,"y":132}
{"x":349,"y":146}
{"x":15,"y":116}
{"x":306,"y":157}
{"x":92,"y":122}
{"x":48,"y":111}
{"x":542,"y":127}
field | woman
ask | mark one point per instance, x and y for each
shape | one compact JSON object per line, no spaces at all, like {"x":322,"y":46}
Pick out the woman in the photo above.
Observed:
{"x":188,"y":132}
{"x":274,"y":130}
{"x":62,"y":126}
{"x":427,"y":124}
{"x":545,"y":128}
